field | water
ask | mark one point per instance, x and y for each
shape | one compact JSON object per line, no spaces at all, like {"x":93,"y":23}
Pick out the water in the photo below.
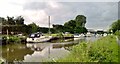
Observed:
{"x":39,"y":52}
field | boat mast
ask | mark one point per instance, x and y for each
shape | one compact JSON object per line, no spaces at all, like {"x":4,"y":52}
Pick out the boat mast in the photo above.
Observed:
{"x":49,"y":24}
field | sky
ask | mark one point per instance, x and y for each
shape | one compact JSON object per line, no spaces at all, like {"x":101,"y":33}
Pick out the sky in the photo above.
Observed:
{"x":99,"y":13}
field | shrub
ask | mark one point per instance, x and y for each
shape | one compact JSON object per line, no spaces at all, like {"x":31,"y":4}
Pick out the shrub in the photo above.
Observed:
{"x":118,"y":33}
{"x":14,"y":39}
{"x":102,"y":50}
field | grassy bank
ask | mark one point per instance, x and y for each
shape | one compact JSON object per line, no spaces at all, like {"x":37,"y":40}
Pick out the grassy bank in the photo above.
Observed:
{"x":13,"y":39}
{"x":102,"y":50}
{"x":60,"y":35}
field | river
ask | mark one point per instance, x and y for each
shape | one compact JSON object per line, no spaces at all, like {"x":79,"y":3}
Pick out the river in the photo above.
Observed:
{"x":39,"y":52}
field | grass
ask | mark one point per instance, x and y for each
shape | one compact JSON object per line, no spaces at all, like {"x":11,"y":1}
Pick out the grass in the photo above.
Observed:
{"x":13,"y":38}
{"x":102,"y":50}
{"x":60,"y":35}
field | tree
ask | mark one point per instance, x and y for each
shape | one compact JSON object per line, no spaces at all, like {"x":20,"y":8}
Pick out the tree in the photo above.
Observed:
{"x":115,"y":26}
{"x":80,"y":20}
{"x":3,"y":21}
{"x":58,"y":28}
{"x":80,"y":30}
{"x":33,"y":27}
{"x":77,"y":25}
{"x":10,"y":20}
{"x":71,"y":24}
{"x":19,"y":20}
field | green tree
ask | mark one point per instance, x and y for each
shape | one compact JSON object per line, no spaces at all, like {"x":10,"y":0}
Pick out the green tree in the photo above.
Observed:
{"x":71,"y":24}
{"x":10,"y":20}
{"x":19,"y":20}
{"x":80,"y":20}
{"x":3,"y":21}
{"x":115,"y":26}
{"x":33,"y":27}
{"x":80,"y":30}
{"x":58,"y":28}
{"x":77,"y":25}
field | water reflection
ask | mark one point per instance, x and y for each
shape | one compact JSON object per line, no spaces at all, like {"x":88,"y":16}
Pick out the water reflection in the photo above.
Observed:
{"x":46,"y":55}
{"x":40,"y":52}
{"x":15,"y":52}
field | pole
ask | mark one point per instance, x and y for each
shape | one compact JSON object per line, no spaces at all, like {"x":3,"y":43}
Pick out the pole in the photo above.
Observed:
{"x":49,"y":24}
{"x":7,"y":32}
{"x":49,"y":52}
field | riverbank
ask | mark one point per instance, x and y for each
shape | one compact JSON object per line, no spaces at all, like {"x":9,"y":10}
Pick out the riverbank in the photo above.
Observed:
{"x":12,"y":39}
{"x":22,"y":39}
{"x":102,"y":50}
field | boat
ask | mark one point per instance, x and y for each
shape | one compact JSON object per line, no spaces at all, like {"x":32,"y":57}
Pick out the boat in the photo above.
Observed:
{"x":79,"y":36}
{"x":38,"y":37}
{"x":89,"y":34}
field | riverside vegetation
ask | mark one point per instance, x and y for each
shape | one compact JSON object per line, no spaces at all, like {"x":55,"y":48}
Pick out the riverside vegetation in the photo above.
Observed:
{"x":102,"y":50}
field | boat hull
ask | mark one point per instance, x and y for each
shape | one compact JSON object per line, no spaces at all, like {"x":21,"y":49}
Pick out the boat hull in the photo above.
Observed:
{"x":37,"y":40}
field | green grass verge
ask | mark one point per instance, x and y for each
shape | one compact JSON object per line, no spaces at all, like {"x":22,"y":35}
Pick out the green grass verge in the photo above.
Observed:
{"x":13,"y":38}
{"x":60,"y":35}
{"x":102,"y":50}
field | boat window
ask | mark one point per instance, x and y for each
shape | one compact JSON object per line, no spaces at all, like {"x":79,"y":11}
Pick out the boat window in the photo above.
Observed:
{"x":76,"y":34}
{"x":34,"y":35}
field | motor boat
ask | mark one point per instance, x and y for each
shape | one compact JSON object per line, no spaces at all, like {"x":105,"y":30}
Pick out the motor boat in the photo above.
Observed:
{"x":79,"y":36}
{"x":38,"y":37}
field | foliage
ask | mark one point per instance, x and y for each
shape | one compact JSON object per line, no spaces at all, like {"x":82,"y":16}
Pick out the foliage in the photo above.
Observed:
{"x":80,"y":20}
{"x":58,"y":28}
{"x":14,"y":39}
{"x":77,"y":25}
{"x":80,"y":30}
{"x":115,"y":26}
{"x":19,"y":20}
{"x":17,"y":26}
{"x":33,"y":27}
{"x":12,"y":24}
{"x":102,"y":50}
{"x":10,"y":20}
{"x":118,"y":33}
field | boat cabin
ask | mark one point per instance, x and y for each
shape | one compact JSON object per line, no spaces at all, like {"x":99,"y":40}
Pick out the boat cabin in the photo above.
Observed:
{"x":35,"y":35}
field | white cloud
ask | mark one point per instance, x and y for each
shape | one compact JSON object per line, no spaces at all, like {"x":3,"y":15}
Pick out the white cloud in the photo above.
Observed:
{"x":37,"y":16}
{"x":61,"y":11}
{"x":75,"y":0}
{"x":10,"y":8}
{"x":53,"y":4}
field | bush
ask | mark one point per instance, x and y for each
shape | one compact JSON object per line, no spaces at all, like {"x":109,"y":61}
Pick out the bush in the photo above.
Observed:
{"x":14,"y":39}
{"x":102,"y":50}
{"x":118,"y":33}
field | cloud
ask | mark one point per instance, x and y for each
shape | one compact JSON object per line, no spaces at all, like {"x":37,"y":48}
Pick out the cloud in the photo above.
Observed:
{"x":37,"y":16}
{"x":99,"y":14}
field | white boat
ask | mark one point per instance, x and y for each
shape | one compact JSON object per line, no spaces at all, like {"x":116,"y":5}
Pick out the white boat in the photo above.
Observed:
{"x":79,"y":36}
{"x":36,"y":37}
{"x":89,"y":34}
{"x":76,"y":35}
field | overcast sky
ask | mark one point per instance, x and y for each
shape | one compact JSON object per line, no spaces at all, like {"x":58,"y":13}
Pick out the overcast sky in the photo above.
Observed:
{"x":100,"y":13}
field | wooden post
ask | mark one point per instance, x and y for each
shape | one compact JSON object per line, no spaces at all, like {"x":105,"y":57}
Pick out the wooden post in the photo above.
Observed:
{"x":7,"y":32}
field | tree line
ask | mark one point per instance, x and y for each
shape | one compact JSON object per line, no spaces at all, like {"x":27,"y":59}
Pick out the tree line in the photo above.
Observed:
{"x":115,"y":28}
{"x":17,"y":25}
{"x":76,"y":25}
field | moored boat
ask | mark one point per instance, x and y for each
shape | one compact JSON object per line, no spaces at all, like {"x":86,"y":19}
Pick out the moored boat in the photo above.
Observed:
{"x":38,"y":37}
